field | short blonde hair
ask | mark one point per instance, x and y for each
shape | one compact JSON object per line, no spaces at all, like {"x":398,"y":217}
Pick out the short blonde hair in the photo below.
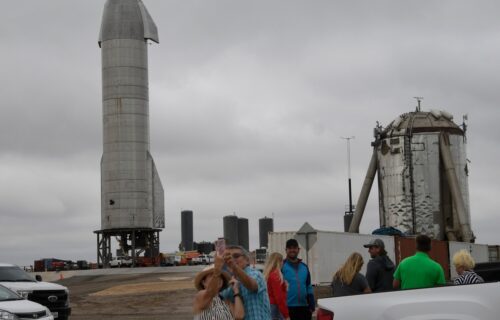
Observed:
{"x":463,"y":259}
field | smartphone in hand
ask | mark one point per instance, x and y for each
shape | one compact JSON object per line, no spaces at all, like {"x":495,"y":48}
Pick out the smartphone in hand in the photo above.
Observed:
{"x":220,"y":246}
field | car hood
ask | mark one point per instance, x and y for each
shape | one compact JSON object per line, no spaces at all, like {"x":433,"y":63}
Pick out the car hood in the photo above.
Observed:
{"x":16,"y":286}
{"x":21,"y":306}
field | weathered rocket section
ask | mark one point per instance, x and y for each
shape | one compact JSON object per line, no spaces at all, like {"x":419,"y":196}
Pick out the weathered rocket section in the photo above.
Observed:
{"x":132,"y":207}
{"x":422,"y":170}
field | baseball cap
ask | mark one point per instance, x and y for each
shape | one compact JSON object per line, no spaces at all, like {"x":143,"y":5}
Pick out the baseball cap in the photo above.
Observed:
{"x":291,"y":243}
{"x":375,"y":243}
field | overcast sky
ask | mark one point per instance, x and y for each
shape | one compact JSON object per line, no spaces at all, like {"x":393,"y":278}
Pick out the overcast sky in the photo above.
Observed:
{"x":248,"y":101}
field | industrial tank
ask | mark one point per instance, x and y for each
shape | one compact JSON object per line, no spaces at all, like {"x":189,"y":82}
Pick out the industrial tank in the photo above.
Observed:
{"x":231,"y":229}
{"x":266,"y":225}
{"x":243,"y":237}
{"x":187,"y":230}
{"x":422,"y":176}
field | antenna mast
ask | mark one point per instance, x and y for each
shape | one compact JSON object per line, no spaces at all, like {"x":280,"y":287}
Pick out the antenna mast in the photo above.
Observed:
{"x":419,"y":99}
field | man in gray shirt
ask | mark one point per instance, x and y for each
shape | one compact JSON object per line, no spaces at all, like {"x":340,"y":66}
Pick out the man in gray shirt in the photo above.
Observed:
{"x":380,"y":268}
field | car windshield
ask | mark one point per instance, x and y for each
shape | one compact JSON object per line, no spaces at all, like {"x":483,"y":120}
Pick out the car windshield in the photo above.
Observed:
{"x":14,"y":273}
{"x":6,"y":294}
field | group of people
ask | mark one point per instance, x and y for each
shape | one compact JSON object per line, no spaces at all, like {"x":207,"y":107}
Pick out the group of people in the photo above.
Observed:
{"x":417,"y":271}
{"x":231,"y":289}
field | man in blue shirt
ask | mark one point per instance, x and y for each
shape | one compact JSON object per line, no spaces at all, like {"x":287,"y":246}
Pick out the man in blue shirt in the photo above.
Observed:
{"x":253,"y":287}
{"x":300,"y":295}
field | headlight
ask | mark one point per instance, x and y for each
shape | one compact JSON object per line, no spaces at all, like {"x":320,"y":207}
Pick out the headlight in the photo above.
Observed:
{"x":4,"y":315}
{"x":49,"y":314}
{"x":67,"y":301}
{"x":24,"y":293}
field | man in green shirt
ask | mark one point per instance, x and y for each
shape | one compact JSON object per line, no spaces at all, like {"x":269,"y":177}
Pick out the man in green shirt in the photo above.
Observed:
{"x":419,"y":270}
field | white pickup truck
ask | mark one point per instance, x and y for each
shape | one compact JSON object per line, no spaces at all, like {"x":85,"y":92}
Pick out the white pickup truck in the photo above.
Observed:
{"x":468,"y":302}
{"x":13,"y":306}
{"x":51,"y":295}
{"x":119,"y":262}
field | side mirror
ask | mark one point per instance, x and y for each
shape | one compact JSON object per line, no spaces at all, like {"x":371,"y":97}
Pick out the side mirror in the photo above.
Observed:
{"x":38,"y":277}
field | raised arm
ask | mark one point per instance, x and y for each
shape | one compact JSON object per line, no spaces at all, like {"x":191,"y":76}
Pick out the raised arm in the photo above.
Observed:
{"x":204,"y":297}
{"x":237,"y":308}
{"x":245,"y":279}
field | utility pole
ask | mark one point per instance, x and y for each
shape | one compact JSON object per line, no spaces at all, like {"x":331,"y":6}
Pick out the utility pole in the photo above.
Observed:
{"x":348,"y":139}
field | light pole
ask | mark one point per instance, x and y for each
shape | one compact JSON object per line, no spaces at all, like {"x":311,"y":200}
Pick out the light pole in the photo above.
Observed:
{"x":348,"y":139}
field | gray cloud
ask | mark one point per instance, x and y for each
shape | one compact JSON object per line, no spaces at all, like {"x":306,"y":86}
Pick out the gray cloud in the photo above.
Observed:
{"x":248,"y":101}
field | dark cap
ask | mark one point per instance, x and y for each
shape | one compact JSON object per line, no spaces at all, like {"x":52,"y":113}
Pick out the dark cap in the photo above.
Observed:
{"x":291,"y":243}
{"x":375,"y":243}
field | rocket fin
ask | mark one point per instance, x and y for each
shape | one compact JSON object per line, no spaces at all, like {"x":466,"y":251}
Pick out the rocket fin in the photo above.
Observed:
{"x":158,"y":196}
{"x":150,"y":29}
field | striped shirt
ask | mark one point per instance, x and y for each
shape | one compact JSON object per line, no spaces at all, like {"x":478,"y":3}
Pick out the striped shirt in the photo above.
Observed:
{"x":218,"y":310}
{"x":468,"y":277}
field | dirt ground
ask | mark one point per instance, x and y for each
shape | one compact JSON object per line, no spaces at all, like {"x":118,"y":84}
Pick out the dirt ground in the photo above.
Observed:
{"x":140,"y":296}
{"x":136,"y":296}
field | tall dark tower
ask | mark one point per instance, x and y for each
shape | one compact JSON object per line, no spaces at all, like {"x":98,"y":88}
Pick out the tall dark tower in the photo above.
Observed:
{"x":243,"y":237}
{"x":187,"y":230}
{"x":231,"y":230}
{"x":266,"y":225}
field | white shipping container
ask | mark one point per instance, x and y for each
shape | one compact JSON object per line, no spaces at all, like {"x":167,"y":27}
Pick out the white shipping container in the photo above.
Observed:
{"x":479,"y":252}
{"x":325,"y":251}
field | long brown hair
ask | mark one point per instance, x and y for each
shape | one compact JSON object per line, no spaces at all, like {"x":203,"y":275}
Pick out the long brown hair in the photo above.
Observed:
{"x":349,"y":269}
{"x":273,"y":262}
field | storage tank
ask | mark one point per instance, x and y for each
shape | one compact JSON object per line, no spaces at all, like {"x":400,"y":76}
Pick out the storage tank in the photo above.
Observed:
{"x":266,"y":225}
{"x":187,"y":230}
{"x":243,"y":237}
{"x":230,"y":224}
{"x":422,"y":176}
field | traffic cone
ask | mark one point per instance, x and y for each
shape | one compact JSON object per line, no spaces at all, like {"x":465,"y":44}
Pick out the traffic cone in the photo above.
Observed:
{"x":61,"y":277}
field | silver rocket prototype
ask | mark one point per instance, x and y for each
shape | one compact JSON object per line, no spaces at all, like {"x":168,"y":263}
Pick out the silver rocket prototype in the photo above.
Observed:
{"x":131,"y":191}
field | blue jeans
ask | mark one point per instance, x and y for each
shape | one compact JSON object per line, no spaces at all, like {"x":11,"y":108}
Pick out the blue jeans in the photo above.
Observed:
{"x":275,"y":313}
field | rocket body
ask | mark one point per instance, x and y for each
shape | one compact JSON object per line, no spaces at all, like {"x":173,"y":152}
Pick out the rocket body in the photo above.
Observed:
{"x":131,"y":191}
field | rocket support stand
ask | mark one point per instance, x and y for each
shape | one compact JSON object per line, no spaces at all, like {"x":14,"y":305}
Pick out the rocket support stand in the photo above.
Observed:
{"x":150,"y":247}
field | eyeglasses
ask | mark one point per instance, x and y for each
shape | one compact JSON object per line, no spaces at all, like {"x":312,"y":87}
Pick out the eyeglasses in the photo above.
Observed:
{"x":236,"y":255}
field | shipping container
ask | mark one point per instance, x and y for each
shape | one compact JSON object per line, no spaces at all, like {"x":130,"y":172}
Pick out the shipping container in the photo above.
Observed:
{"x":406,"y":247}
{"x":325,"y":251}
{"x":479,"y":253}
{"x":494,"y":253}
{"x":39,"y":266}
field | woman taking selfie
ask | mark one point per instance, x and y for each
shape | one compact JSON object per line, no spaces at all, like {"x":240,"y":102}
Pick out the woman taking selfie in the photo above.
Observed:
{"x":207,"y":302}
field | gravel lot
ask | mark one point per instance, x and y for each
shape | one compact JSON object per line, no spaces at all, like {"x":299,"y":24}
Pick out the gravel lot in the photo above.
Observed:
{"x":162,"y":295}
{"x":151,"y":293}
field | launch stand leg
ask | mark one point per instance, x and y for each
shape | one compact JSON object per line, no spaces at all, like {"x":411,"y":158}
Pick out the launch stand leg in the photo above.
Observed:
{"x":136,"y":243}
{"x":103,"y":249}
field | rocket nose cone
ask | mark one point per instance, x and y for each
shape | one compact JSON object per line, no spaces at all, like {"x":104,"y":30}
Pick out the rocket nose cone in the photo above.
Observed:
{"x":127,"y":19}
